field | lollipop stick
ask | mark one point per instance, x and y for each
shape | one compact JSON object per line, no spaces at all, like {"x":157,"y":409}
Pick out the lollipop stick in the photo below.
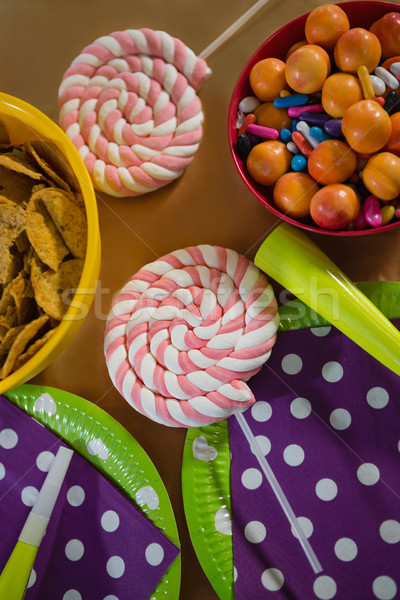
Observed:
{"x":221,"y":39}
{"x":279,"y":493}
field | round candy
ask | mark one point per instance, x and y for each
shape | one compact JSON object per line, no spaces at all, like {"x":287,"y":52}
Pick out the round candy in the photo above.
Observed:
{"x":267,"y":78}
{"x":269,"y":116}
{"x":381,"y":175}
{"x":393,"y":144}
{"x":334,"y":206}
{"x":387,"y":30}
{"x":295,"y":47}
{"x":307,"y":68}
{"x":268,"y":161}
{"x":366,"y":126}
{"x":129,"y":105}
{"x":187,"y":331}
{"x":332,"y":161}
{"x":355,"y":48}
{"x":293,"y":192}
{"x":325,"y":24}
{"x":340,"y":91}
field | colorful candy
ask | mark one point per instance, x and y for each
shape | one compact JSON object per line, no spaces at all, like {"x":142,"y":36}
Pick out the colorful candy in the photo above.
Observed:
{"x":340,"y":91}
{"x":334,"y":206}
{"x":332,"y":161}
{"x":355,"y":48}
{"x":293,"y":193}
{"x":267,"y":78}
{"x":268,"y":161}
{"x":381,"y":175}
{"x":264,"y":132}
{"x":341,"y":131}
{"x":366,"y":126}
{"x":325,"y":24}
{"x":248,"y":120}
{"x":307,"y":68}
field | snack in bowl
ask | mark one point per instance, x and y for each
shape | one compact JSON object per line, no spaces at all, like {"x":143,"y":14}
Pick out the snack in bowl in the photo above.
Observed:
{"x":43,"y":236}
{"x":340,"y":92}
{"x":49,"y":241}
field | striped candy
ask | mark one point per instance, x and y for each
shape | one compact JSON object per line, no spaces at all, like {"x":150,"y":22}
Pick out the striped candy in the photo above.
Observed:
{"x":187,"y":331}
{"x":129,"y":104}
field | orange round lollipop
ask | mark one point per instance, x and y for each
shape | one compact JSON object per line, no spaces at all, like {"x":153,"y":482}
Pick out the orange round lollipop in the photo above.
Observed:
{"x":307,"y":68}
{"x":293,"y":192}
{"x":381,"y":175}
{"x":355,"y":48}
{"x":325,"y":24}
{"x":340,"y":91}
{"x":332,"y":161}
{"x":268,"y":161}
{"x":267,"y":78}
{"x":366,"y":126}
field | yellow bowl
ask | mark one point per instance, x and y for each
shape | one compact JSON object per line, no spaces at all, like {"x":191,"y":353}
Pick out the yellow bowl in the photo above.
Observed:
{"x":24,"y":122}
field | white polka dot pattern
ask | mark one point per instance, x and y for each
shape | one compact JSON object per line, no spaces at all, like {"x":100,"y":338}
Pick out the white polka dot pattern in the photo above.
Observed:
{"x":327,"y":411}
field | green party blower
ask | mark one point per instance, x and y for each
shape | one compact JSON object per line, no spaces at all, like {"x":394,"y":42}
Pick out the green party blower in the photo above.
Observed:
{"x":293,"y":260}
{"x":15,"y":575}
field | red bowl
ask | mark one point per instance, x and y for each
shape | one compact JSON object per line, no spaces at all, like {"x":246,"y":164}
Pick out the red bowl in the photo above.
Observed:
{"x":361,"y":14}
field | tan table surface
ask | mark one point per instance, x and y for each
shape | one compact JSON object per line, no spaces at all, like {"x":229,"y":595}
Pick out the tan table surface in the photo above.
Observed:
{"x":208,"y":204}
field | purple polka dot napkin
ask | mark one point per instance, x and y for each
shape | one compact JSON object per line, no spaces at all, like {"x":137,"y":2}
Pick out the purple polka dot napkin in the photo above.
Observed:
{"x":327,"y":418}
{"x":98,"y":545}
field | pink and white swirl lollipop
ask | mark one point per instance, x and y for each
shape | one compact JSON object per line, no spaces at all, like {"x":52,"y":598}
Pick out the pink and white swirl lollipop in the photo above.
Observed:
{"x":183,"y":337}
{"x":129,"y":104}
{"x":186,"y":333}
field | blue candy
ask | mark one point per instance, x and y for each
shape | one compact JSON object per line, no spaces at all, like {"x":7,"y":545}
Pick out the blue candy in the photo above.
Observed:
{"x":318,"y":134}
{"x":294,"y":124}
{"x":299,"y":162}
{"x":294,"y":100}
{"x":286,"y":135}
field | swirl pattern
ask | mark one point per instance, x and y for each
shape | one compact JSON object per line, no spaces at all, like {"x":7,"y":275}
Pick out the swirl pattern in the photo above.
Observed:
{"x":186,"y":333}
{"x":129,"y":104}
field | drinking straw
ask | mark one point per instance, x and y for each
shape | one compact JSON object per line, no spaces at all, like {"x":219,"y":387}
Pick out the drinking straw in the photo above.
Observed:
{"x":279,"y":494}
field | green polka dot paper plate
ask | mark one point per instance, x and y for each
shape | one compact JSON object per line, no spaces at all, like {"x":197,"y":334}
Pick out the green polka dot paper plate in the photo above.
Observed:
{"x":206,"y":460}
{"x":105,"y":444}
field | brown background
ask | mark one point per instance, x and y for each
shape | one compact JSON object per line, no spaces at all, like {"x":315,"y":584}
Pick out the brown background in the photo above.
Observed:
{"x":208,"y":204}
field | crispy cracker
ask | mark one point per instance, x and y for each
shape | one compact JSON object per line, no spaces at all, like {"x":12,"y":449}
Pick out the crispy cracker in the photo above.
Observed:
{"x":15,"y":186}
{"x":12,"y":223}
{"x":4,"y":137}
{"x":17,"y":160}
{"x":56,"y":163}
{"x":43,"y":234}
{"x":20,"y":289}
{"x":32,"y":349}
{"x":10,"y":317}
{"x":9,"y":338}
{"x":54,"y":290}
{"x":68,"y":218}
{"x":24,"y":337}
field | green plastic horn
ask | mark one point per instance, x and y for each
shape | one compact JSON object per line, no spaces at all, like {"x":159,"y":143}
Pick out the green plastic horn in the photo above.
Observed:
{"x":293,"y":260}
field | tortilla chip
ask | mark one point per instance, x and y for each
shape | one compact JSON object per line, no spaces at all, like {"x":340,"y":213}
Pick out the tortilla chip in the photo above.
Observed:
{"x":15,"y":186}
{"x":43,"y":234}
{"x":32,"y":349}
{"x":4,"y":137}
{"x":53,"y":290}
{"x":12,"y":223}
{"x":20,"y":289}
{"x":17,"y":160}
{"x":10,"y":317}
{"x":69,"y":220}
{"x":27,"y":333}
{"x":9,"y":338}
{"x":54,"y":163}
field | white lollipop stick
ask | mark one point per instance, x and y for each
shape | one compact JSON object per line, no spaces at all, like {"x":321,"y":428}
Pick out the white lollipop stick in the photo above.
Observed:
{"x":221,"y":39}
{"x":279,"y":493}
